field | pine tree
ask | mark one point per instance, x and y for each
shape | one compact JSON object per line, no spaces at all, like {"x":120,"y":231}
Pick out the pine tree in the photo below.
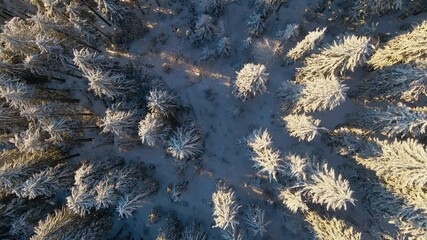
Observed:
{"x":186,"y":142}
{"x":225,"y":208}
{"x":405,"y":48}
{"x":82,"y":200}
{"x":289,"y":93}
{"x":331,"y":228}
{"x":291,"y":31}
{"x":30,"y":140}
{"x":120,"y":121}
{"x":170,"y":229}
{"x":307,"y":44}
{"x":46,"y":182}
{"x":267,"y":51}
{"x":343,"y":55}
{"x":401,"y":82}
{"x":255,"y":219}
{"x":256,"y":24}
{"x":363,"y":9}
{"x":109,"y":84}
{"x":204,"y":30}
{"x":266,"y":159}
{"x":304,"y":127}
{"x":326,"y":189}
{"x":162,"y":102}
{"x":396,"y":121}
{"x":10,"y":121}
{"x":152,"y":129}
{"x":16,"y":92}
{"x":251,"y":81}
{"x":223,"y":47}
{"x":293,"y":200}
{"x":194,"y":231}
{"x":322,"y":93}
{"x":214,"y":7}
{"x":401,"y":165}
{"x":129,"y":203}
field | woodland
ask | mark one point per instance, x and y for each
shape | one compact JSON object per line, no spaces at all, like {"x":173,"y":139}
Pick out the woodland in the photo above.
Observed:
{"x":213,"y":119}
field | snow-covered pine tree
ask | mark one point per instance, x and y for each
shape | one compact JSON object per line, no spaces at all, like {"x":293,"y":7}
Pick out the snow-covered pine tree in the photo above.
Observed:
{"x":223,"y":47}
{"x":225,"y":208}
{"x":259,"y":140}
{"x":256,"y":24}
{"x":300,"y":168}
{"x":255,"y":219}
{"x":171,"y":228}
{"x":266,"y":159}
{"x":162,"y":102}
{"x":307,"y":44}
{"x":303,"y":127}
{"x":46,"y":182}
{"x":194,"y":231}
{"x":321,"y":93}
{"x":343,"y":55}
{"x":251,"y":81}
{"x":10,"y":121}
{"x":82,"y":200}
{"x":15,"y":92}
{"x":267,"y":51}
{"x":129,"y":203}
{"x":397,"y":83}
{"x":290,"y":32}
{"x":120,"y":121}
{"x":405,"y":48}
{"x":30,"y":140}
{"x":186,"y":142}
{"x":204,"y":30}
{"x":214,"y":7}
{"x":293,"y":200}
{"x":402,"y":166}
{"x":326,"y":189}
{"x":87,"y":60}
{"x":397,"y":121}
{"x":109,"y":84}
{"x":289,"y":93}
{"x":64,"y":224}
{"x":330,"y":228}
{"x":152,"y":129}
{"x":363,"y":9}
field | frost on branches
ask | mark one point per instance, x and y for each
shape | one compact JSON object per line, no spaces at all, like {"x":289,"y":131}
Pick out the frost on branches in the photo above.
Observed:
{"x":396,"y":121}
{"x":322,"y":93}
{"x":293,"y":200}
{"x":162,"y":102}
{"x":405,"y":48}
{"x":204,"y":30}
{"x":119,"y":120}
{"x":326,"y":189}
{"x":307,"y":44}
{"x":401,"y":82}
{"x":266,"y":159}
{"x":186,"y":142}
{"x":255,"y":219}
{"x":256,"y":24}
{"x":251,"y":81}
{"x":289,"y":93}
{"x":364,"y":9}
{"x":152,"y":129}
{"x":331,"y":228}
{"x":337,"y":58}
{"x":225,"y":208}
{"x":303,"y":127}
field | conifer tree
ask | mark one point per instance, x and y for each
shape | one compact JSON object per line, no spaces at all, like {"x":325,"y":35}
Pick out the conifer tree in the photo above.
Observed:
{"x":307,"y":44}
{"x":337,"y":58}
{"x":404,"y":48}
{"x":304,"y":127}
{"x":251,"y":81}
{"x":225,"y":208}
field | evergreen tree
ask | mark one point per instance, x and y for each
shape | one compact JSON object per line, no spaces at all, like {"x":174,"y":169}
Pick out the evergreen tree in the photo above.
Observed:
{"x":251,"y":81}
{"x":406,"y":48}
{"x":204,"y":30}
{"x":304,"y":127}
{"x":401,"y":82}
{"x":186,"y":142}
{"x":152,"y":129}
{"x":255,"y":219}
{"x":337,"y":58}
{"x":225,"y":208}
{"x":322,"y":93}
{"x":307,"y":44}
